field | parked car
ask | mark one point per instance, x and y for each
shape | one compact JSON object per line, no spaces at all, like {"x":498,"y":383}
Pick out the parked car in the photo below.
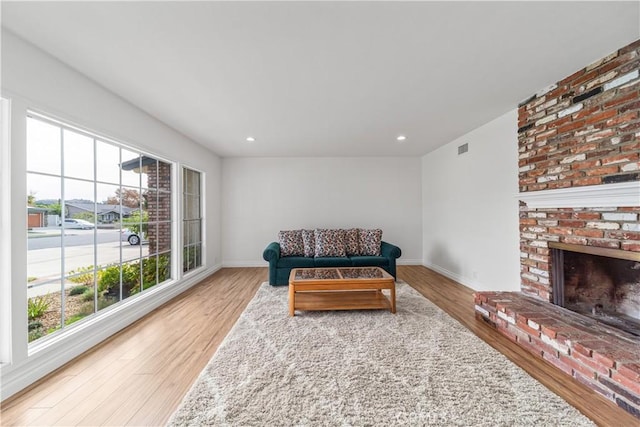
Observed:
{"x":129,"y":236}
{"x":78,"y":224}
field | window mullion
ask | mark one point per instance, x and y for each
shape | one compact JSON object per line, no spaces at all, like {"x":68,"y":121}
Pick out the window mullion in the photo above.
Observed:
{"x":63,"y":213}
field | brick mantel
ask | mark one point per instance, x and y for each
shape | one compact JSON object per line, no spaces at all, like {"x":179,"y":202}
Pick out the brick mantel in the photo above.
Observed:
{"x":591,"y":196}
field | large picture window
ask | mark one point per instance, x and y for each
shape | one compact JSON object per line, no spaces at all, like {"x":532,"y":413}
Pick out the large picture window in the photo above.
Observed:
{"x":99,"y":224}
{"x":192,"y":219}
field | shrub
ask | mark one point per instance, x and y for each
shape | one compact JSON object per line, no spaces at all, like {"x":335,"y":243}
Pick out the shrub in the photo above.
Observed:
{"x":155,"y":270}
{"x":87,"y":295}
{"x":83,"y":275}
{"x":109,"y":280}
{"x":38,"y":306}
{"x":164,"y":267}
{"x":34,"y":325}
{"x":77,"y":290}
{"x":35,"y":331}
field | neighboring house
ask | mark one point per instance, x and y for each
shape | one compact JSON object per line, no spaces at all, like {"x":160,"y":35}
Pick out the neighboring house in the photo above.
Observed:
{"x":106,"y":213}
{"x":110,"y":213}
{"x":36,"y":217}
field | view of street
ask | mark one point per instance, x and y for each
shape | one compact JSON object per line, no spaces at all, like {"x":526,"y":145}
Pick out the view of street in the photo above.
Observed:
{"x":50,"y":237}
{"x":44,"y":255}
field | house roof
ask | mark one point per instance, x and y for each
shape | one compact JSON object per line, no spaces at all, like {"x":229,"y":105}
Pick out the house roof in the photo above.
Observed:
{"x":102,"y":208}
{"x":134,"y":164}
{"x":34,"y":209}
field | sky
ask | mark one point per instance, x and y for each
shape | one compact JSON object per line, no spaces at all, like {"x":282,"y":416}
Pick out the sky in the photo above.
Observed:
{"x":44,"y":164}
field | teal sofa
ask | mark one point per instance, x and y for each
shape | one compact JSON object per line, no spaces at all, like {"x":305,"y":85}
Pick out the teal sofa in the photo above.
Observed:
{"x":280,"y":267}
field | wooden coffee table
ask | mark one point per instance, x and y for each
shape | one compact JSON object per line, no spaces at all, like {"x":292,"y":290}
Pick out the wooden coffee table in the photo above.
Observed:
{"x":344,"y":288}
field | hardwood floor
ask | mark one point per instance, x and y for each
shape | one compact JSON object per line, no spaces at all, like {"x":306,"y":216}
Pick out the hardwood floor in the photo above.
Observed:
{"x":139,"y":376}
{"x":457,"y":301}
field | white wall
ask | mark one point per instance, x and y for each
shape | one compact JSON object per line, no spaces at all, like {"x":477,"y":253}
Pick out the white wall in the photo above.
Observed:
{"x":262,"y":196}
{"x":31,"y":79}
{"x":470,"y":209}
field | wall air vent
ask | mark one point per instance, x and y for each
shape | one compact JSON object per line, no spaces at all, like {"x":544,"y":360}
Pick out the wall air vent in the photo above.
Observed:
{"x":463,"y":148}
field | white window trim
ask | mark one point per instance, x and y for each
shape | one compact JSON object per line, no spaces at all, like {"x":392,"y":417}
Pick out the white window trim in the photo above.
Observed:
{"x":203,"y":227}
{"x":70,"y":330}
{"x":26,"y":367}
{"x":5,"y":231}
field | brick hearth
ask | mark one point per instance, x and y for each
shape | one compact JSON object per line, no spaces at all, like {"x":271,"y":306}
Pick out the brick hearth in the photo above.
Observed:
{"x":605,"y":359}
{"x":581,"y":133}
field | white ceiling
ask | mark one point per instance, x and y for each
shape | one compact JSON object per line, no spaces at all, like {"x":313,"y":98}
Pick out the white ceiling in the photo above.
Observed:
{"x":325,"y":78}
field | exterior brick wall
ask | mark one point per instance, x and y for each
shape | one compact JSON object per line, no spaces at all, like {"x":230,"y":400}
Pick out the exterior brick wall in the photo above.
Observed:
{"x":583,"y":130}
{"x":159,"y":206}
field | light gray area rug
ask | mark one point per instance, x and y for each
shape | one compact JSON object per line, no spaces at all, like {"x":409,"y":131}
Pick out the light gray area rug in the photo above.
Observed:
{"x":417,"y":367}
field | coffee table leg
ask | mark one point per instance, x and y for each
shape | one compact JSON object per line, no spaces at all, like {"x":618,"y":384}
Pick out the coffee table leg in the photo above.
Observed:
{"x":393,"y":298}
{"x":292,"y":297}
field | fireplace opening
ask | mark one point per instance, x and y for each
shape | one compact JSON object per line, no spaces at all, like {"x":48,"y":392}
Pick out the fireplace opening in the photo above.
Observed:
{"x":603,"y":284}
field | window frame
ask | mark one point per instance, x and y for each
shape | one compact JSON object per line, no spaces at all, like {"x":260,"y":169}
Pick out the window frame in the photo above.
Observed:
{"x":5,"y":228}
{"x":174,"y":272}
{"x":183,"y":246}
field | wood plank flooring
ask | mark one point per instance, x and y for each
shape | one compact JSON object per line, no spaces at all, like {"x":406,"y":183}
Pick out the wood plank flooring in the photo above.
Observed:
{"x":457,"y":301}
{"x":139,"y":376}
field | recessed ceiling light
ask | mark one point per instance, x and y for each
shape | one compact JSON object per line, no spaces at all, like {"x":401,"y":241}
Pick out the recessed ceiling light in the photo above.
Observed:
{"x":250,"y":139}
{"x":401,"y":138}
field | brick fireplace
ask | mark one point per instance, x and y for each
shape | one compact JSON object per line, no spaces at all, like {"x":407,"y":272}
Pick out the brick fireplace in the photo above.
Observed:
{"x":579,"y":177}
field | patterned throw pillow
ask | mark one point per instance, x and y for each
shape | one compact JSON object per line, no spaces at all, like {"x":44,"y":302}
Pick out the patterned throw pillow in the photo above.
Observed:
{"x":329,"y":242}
{"x":291,"y":243}
{"x":309,"y":242}
{"x":352,"y":241}
{"x":370,"y":241}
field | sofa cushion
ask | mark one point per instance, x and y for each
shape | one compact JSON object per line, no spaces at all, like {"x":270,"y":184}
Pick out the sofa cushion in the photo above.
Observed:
{"x":369,"y":261}
{"x":309,"y":242}
{"x":296,"y":262}
{"x":370,"y":241}
{"x":352,"y":241}
{"x":291,"y":243}
{"x":333,"y":262}
{"x":329,"y":243}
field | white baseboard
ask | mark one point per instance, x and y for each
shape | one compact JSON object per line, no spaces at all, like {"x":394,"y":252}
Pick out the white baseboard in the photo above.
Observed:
{"x":401,"y":261}
{"x":236,"y":264}
{"x":54,"y":353}
{"x":253,"y":263}
{"x":468,"y":282}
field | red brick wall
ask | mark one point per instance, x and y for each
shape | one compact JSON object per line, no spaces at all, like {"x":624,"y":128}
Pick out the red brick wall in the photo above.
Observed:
{"x":159,"y":206}
{"x":584,"y":130}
